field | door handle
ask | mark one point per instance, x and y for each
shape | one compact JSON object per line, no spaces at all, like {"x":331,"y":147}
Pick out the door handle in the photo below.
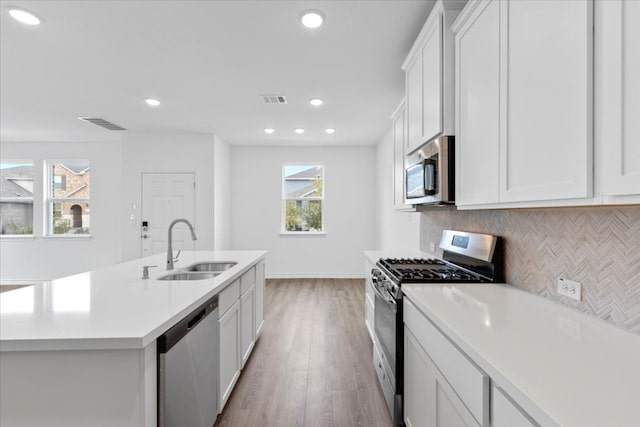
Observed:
{"x":145,"y":236}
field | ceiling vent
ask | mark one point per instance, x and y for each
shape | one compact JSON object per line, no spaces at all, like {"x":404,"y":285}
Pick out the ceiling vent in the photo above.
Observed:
{"x":274,"y":99}
{"x":101,"y":122}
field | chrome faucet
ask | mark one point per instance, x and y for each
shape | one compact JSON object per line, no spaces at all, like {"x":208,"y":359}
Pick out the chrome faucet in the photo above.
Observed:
{"x":170,"y":259}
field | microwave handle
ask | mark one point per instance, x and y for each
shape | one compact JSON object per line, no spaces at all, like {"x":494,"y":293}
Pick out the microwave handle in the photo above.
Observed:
{"x":430,"y":176}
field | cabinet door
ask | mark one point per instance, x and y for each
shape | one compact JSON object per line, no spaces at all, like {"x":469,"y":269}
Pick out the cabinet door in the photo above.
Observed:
{"x":247,"y":323}
{"x":620,"y":101}
{"x":505,"y":413}
{"x":414,"y":104}
{"x":399,"y":146}
{"x":547,"y":86}
{"x":259,"y":297}
{"x":432,"y":82}
{"x":429,"y":401}
{"x":229,"y":325}
{"x":478,"y":106}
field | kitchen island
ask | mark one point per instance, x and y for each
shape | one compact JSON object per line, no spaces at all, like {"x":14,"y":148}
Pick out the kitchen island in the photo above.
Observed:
{"x":81,"y":350}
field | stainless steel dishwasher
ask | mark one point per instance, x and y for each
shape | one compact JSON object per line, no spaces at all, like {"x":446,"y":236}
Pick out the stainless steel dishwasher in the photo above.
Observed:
{"x":188,"y":370}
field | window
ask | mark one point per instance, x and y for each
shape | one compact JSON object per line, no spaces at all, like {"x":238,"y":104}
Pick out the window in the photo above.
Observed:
{"x":16,"y":197}
{"x":68,"y":189}
{"x":303,"y":197}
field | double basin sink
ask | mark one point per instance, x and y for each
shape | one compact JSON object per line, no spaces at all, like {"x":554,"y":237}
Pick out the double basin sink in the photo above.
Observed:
{"x":199,"y":271}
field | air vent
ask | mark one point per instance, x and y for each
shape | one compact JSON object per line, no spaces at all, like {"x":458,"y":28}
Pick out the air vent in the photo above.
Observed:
{"x":101,"y":122}
{"x":274,"y":99}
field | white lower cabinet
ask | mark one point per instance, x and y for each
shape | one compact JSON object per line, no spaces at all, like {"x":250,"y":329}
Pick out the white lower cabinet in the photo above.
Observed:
{"x":429,"y":400}
{"x":229,"y":324}
{"x":442,"y":386}
{"x":506,"y":413}
{"x":369,"y":298}
{"x":247,"y":322}
{"x":240,"y":309}
{"x":260,"y":274}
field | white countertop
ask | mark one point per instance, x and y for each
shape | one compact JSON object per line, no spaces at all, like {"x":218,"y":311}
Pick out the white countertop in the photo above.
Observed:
{"x":110,"y":308}
{"x":563,"y":367}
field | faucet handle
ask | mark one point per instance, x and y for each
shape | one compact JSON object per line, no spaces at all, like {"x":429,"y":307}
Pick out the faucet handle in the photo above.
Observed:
{"x":177,"y":255}
{"x":145,"y":270}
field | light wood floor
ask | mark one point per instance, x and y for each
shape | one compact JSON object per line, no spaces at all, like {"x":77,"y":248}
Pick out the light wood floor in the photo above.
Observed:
{"x":312,"y":365}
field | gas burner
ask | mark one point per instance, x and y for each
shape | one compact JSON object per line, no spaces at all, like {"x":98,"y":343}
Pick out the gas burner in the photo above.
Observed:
{"x":431,"y":270}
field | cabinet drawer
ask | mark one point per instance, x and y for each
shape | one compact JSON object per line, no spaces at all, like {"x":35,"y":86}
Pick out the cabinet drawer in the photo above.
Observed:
{"x":469,"y":382}
{"x":228,"y":297}
{"x":247,"y":280}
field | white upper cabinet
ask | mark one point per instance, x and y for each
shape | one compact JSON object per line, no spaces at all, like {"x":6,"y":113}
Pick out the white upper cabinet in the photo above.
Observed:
{"x":429,"y":69}
{"x":524,"y":122}
{"x":546,"y":143}
{"x":477,"y":50}
{"x":399,"y":151}
{"x":619,"y":65}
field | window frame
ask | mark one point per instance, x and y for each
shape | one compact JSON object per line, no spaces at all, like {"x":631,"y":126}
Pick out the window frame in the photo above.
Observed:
{"x":31,"y":162}
{"x":285,"y":199}
{"x":50,"y":199}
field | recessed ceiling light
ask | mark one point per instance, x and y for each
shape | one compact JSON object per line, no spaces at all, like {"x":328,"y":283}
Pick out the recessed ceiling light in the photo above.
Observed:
{"x":299,"y":131}
{"x":269,"y":130}
{"x":316,"y":102}
{"x":312,"y":18}
{"x":330,"y":131}
{"x":152,"y":102}
{"x":23,"y":15}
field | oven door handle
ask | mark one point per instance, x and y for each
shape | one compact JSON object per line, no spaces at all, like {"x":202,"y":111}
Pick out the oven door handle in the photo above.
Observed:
{"x":389,"y":299}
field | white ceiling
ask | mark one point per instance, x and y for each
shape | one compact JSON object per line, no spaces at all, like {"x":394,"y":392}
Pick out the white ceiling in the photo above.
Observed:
{"x":208,"y":62}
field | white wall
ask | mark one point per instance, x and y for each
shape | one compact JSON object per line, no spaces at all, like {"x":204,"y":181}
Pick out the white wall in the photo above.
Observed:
{"x":395,"y":229}
{"x":167,"y":153}
{"x":256,"y":203}
{"x":222,"y":195}
{"x":41,"y":258}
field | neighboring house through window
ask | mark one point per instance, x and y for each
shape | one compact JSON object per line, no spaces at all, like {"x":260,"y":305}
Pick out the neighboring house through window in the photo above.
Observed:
{"x":303,"y":198}
{"x":68,"y":192}
{"x":16,"y":197}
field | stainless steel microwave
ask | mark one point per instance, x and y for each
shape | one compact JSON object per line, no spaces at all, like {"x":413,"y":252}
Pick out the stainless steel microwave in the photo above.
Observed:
{"x":429,"y":173}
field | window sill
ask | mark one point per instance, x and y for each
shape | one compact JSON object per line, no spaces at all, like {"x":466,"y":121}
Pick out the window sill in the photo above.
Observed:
{"x":303,"y":233}
{"x":17,"y":237}
{"x":69,"y":237}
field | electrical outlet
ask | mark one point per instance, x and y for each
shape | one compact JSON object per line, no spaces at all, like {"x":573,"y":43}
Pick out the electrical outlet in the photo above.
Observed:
{"x":432,"y":247}
{"x":570,"y":288}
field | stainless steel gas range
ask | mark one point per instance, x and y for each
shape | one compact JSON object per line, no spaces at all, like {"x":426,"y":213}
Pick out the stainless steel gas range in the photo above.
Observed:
{"x":467,"y":258}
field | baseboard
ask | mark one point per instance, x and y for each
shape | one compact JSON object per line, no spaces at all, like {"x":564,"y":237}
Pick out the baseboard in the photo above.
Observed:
{"x":314,"y":276}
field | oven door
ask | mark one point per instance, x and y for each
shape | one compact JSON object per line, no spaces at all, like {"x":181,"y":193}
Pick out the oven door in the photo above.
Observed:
{"x":385,"y":326}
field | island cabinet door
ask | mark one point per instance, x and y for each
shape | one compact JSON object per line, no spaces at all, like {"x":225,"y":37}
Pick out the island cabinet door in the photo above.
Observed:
{"x":429,"y":400}
{"x":247,"y":323}
{"x":259,"y":297}
{"x":229,"y":325}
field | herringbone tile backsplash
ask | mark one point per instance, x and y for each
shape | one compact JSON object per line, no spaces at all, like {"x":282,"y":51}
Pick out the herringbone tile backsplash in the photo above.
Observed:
{"x":597,"y":246}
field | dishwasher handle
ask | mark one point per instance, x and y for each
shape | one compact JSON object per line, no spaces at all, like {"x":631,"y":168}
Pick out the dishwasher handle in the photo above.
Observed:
{"x":170,"y":338}
{"x":196,"y":319}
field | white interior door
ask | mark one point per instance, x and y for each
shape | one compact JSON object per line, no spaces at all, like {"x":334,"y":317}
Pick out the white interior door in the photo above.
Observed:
{"x":165,"y":197}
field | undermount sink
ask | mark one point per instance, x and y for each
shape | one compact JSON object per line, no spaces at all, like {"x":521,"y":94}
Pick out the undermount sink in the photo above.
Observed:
{"x":189,"y":275}
{"x":207,"y":266}
{"x":199,"y":271}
